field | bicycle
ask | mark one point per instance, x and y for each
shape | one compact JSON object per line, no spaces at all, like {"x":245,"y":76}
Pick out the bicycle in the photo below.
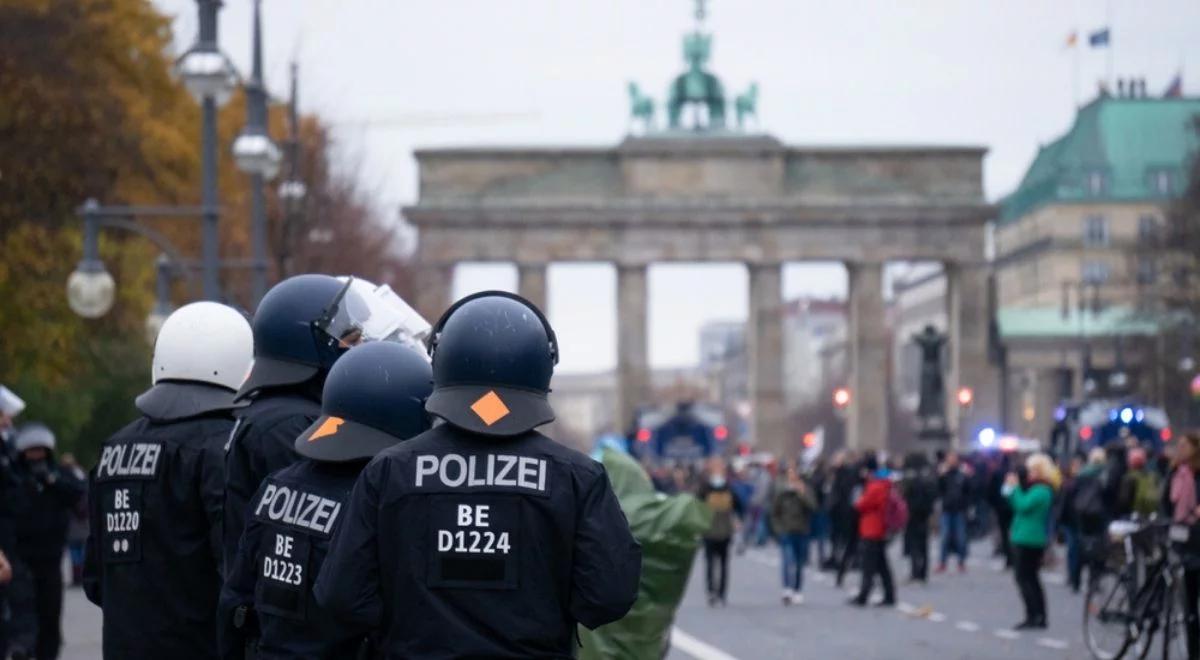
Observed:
{"x":1126,"y":608}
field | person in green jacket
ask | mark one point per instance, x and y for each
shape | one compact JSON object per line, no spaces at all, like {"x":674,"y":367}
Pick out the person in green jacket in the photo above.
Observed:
{"x":1031,"y":500}
{"x":792,"y":508}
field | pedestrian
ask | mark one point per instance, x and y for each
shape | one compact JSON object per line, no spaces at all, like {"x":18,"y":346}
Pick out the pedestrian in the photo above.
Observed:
{"x":1003,"y":510}
{"x":920,"y":490}
{"x":373,"y":398}
{"x":153,"y":554}
{"x":792,"y":510}
{"x":302,"y":326}
{"x":11,"y":406}
{"x":872,"y":531}
{"x":954,"y":490}
{"x":847,"y":486}
{"x":482,"y":537}
{"x":77,"y":529}
{"x":715,"y":493}
{"x":1031,"y":496}
{"x":1141,"y":488}
{"x":1184,"y":499}
{"x":50,"y":493}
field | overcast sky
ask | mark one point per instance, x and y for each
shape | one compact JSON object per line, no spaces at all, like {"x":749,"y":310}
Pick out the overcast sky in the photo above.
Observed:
{"x":394,"y":75}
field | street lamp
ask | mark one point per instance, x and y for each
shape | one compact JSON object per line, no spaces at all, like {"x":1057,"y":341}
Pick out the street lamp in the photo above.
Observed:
{"x":210,"y":77}
{"x":90,"y":288}
{"x":162,"y":299}
{"x":256,"y":155}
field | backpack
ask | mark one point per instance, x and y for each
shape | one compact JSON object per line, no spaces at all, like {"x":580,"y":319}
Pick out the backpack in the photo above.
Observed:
{"x":1088,"y":501}
{"x":1145,"y":492}
{"x":895,"y":514}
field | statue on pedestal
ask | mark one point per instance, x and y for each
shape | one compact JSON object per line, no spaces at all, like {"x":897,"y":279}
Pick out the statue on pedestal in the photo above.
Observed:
{"x":931,"y":409}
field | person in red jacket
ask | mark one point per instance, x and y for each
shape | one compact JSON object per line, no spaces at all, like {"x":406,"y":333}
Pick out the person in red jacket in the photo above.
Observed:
{"x":872,"y":529}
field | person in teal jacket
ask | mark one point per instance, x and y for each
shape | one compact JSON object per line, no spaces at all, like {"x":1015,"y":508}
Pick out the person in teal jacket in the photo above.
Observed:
{"x":1031,"y":499}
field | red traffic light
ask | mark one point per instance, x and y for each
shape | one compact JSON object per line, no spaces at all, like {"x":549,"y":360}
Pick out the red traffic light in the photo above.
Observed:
{"x":1085,"y":433}
{"x":966,"y":396}
{"x":810,"y":439}
{"x":721,"y":432}
{"x":841,"y":397}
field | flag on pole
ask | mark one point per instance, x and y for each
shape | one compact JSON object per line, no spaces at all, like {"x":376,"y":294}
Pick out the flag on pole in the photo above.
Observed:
{"x":1099,"y":38}
{"x":1072,"y":39}
{"x":1175,"y":89}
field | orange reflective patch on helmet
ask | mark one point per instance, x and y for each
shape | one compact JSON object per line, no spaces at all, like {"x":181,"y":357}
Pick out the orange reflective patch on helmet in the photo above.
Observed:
{"x":328,"y":427}
{"x":490,"y":408}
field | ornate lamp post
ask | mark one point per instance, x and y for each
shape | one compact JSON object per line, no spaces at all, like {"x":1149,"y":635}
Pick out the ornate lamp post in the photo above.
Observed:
{"x":257,"y":156}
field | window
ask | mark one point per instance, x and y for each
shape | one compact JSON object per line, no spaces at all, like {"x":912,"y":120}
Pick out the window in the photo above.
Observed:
{"x":1161,"y":182}
{"x":1147,"y":228}
{"x":1095,"y":231}
{"x":1147,"y":272}
{"x":1097,"y":183}
{"x":1095,"y":272}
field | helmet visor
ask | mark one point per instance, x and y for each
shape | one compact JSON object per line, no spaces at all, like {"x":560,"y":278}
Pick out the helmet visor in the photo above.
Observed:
{"x":345,"y":318}
{"x":390,"y":317}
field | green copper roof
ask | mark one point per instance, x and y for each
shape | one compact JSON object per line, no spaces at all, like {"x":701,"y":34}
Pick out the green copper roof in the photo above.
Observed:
{"x":1126,"y":141}
{"x":1048,"y":323}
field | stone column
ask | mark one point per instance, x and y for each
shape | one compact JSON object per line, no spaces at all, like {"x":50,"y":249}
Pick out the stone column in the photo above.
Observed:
{"x":765,"y":343}
{"x":867,"y":415}
{"x":433,"y":286}
{"x":968,"y":317}
{"x":531,"y":283}
{"x":633,"y":363}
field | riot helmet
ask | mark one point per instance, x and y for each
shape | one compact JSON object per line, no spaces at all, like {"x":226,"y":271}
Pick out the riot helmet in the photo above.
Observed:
{"x":33,"y":435}
{"x":302,"y":326}
{"x":201,"y":357}
{"x":493,"y":355}
{"x":374,"y":397}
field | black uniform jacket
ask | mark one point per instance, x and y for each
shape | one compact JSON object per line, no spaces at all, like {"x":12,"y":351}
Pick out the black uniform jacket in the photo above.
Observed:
{"x":291,"y":520}
{"x":457,"y":545}
{"x":261,"y":444}
{"x":153,"y":554}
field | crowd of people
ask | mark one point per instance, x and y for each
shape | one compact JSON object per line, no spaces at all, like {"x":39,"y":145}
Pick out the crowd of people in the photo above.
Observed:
{"x":852,"y":506}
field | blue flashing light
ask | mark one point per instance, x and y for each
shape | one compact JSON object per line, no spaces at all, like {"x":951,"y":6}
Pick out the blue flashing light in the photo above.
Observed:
{"x":1140,"y":415}
{"x":1126,"y":415}
{"x":1060,"y":413}
{"x":987,"y":436}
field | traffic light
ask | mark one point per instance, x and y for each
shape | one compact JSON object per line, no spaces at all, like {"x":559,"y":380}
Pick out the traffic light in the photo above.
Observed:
{"x":966,"y":396}
{"x":841,"y":398}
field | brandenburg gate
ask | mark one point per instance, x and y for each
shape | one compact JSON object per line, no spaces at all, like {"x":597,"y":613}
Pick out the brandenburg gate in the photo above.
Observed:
{"x":708,"y":193}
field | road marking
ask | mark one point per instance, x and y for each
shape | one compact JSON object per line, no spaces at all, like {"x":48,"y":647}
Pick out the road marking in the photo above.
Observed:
{"x":1003,"y":633}
{"x":696,"y":648}
{"x":967,"y":626}
{"x":937,"y":617}
{"x":1051,"y":643}
{"x":906,"y":608}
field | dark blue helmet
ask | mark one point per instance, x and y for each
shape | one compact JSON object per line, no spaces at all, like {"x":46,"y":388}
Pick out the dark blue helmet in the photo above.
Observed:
{"x":302,"y":326}
{"x":493,"y":356}
{"x":374,"y":398}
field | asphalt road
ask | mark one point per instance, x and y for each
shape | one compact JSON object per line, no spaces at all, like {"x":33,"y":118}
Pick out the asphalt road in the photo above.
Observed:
{"x":955,"y":617}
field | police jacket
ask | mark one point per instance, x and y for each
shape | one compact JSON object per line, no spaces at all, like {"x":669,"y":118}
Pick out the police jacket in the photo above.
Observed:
{"x":12,"y":500}
{"x":152,"y":559}
{"x":261,"y":443}
{"x":458,"y":545}
{"x":48,"y":494}
{"x":291,"y":520}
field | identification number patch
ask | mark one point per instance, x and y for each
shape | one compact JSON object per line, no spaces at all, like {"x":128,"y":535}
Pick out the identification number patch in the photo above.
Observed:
{"x":474,"y":541}
{"x":283,"y":574}
{"x":121,"y":507}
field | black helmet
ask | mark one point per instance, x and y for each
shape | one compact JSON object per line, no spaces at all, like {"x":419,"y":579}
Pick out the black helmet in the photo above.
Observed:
{"x":302,"y":326}
{"x":493,"y":355}
{"x":374,"y":398}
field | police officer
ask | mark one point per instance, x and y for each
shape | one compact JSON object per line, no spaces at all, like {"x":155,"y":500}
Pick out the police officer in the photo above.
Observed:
{"x":374,"y":398}
{"x":49,"y":494}
{"x":483,"y":537}
{"x":11,"y":406}
{"x":302,"y":326}
{"x":153,"y":551}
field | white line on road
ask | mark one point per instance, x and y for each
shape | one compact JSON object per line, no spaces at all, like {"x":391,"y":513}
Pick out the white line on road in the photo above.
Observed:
{"x":967,"y":626}
{"x":1003,"y":633}
{"x":1051,"y":643}
{"x":937,"y":617}
{"x":696,"y":648}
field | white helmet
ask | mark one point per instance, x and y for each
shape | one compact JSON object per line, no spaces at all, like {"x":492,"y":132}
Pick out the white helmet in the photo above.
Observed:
{"x":11,"y":405}
{"x":204,"y":342}
{"x":34,"y":435}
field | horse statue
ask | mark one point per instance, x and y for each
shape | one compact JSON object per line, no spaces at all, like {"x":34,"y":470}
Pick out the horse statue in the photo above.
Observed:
{"x":641,"y":107}
{"x":697,"y":86}
{"x":746,"y":106}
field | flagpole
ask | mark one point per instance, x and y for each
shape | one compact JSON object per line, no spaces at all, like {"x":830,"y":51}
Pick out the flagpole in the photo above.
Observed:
{"x":1109,"y":46}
